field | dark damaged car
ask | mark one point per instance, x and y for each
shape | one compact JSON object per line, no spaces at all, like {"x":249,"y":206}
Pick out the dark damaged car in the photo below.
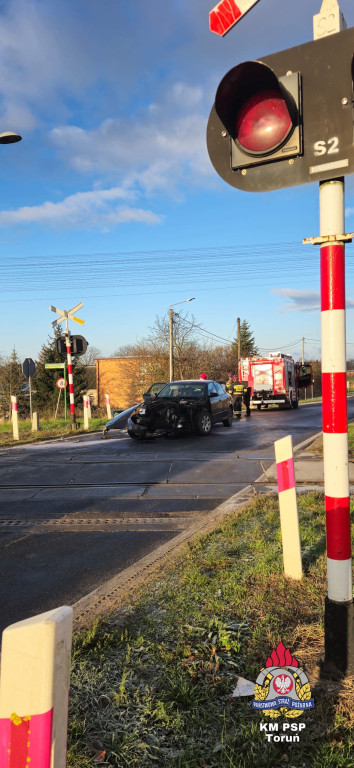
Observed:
{"x":182,"y":406}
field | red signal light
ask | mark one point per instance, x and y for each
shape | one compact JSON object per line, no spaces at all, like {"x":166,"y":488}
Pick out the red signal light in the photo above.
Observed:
{"x":263,"y":123}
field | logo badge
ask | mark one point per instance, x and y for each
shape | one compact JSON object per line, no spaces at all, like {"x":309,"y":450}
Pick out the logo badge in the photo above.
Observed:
{"x":282,"y":688}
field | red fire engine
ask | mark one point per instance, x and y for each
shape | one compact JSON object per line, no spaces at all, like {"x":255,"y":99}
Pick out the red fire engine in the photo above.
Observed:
{"x":275,"y":379}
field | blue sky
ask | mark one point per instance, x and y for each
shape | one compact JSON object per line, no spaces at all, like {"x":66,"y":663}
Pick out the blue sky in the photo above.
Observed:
{"x":111,"y":199}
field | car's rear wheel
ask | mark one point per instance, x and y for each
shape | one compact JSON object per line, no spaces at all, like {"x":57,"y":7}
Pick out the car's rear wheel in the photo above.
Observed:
{"x":229,"y":421}
{"x":203,"y":422}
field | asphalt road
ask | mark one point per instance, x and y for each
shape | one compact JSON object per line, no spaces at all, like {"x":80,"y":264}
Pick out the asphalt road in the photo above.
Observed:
{"x":75,"y":512}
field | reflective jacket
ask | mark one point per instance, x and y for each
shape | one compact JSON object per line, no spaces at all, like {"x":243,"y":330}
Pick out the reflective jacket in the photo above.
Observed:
{"x":237,"y":389}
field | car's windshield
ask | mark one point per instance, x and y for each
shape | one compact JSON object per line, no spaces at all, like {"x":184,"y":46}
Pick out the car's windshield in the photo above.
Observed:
{"x":183,"y":389}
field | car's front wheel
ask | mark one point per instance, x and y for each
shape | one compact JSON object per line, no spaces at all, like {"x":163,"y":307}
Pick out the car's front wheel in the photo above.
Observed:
{"x":133,"y":436}
{"x":203,"y":422}
{"x":229,"y":421}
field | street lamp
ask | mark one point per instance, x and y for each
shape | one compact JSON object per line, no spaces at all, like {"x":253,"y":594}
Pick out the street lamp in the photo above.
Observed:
{"x":170,"y":322}
{"x":8,"y":137}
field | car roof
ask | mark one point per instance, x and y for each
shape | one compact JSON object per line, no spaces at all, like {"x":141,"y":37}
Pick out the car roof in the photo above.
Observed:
{"x":191,"y":381}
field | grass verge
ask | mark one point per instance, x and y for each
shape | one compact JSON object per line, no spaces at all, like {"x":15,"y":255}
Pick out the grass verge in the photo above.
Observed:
{"x":48,"y":429}
{"x":317,"y":445}
{"x":151,"y":686}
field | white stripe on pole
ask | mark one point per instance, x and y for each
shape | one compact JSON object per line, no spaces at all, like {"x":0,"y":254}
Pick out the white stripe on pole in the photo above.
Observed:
{"x":339,"y":579}
{"x":335,"y":465}
{"x":333,"y":328}
{"x":34,"y":688}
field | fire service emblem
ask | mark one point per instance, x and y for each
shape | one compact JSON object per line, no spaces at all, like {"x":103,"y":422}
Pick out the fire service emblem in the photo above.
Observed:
{"x":282,"y":688}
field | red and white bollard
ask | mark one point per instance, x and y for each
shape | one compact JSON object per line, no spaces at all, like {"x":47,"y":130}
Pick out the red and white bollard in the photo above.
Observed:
{"x":339,"y":613}
{"x":86,"y":411}
{"x":289,"y":519}
{"x":34,"y":690}
{"x":14,"y":417}
{"x":108,"y":406}
{"x":71,"y":382}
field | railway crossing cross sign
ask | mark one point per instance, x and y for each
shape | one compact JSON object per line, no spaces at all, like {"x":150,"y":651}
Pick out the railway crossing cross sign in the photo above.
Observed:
{"x":67,"y":315}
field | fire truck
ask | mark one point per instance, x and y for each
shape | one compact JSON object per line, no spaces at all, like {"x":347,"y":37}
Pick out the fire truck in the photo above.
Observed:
{"x":275,"y":380}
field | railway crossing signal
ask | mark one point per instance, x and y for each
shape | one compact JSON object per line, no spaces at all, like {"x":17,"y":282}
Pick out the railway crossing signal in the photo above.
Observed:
{"x":78,"y":346}
{"x":286,"y":119}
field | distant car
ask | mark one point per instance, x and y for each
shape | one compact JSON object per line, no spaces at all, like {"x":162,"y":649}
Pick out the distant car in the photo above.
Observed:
{"x":182,"y":406}
{"x":120,"y":420}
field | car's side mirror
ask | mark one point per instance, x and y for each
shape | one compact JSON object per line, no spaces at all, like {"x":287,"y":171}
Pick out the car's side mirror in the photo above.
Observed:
{"x":149,"y":395}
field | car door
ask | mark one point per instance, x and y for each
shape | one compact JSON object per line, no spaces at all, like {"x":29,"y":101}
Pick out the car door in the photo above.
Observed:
{"x":215,"y":401}
{"x":225,"y":401}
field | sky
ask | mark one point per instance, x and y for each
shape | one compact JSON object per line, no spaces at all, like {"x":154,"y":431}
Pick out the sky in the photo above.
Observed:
{"x":110,"y":199}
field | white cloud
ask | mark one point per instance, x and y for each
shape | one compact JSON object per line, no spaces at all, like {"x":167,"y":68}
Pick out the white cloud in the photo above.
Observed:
{"x":95,"y":208}
{"x":158,"y":149}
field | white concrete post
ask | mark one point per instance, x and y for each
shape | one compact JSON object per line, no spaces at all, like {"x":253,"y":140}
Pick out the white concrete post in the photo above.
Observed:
{"x":289,"y":520}
{"x":86,"y":415}
{"x":14,"y":416}
{"x":89,"y":406}
{"x":108,"y":406}
{"x":34,"y":688}
{"x":35,"y":421}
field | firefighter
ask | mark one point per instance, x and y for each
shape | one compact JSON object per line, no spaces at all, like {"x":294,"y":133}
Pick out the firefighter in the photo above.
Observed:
{"x":229,"y":386}
{"x":237,"y":393}
{"x":247,"y":397}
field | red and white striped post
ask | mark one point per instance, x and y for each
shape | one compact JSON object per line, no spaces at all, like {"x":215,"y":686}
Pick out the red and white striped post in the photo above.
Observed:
{"x":339,"y":613}
{"x":108,"y":406}
{"x":289,"y":520}
{"x":14,"y":417}
{"x":34,"y":690}
{"x":86,"y":411}
{"x":71,"y":382}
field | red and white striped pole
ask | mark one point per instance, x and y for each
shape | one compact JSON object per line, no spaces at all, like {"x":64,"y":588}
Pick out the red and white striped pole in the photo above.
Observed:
{"x":339,"y":613}
{"x":14,"y":417}
{"x":108,"y":406}
{"x":86,"y":411}
{"x":289,"y":519}
{"x":71,"y":382}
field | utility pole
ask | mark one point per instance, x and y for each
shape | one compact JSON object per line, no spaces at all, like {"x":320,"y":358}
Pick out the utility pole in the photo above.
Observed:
{"x":238,"y":341}
{"x":170,"y":323}
{"x":303,"y":358}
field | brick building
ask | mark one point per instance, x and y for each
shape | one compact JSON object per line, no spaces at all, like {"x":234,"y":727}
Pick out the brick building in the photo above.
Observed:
{"x":124,"y":379}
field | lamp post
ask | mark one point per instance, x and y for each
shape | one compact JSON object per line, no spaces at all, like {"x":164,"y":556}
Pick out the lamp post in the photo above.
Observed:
{"x":170,"y":323}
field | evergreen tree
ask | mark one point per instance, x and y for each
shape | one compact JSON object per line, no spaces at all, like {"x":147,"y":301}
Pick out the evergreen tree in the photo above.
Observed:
{"x":248,"y":345}
{"x":13,"y":382}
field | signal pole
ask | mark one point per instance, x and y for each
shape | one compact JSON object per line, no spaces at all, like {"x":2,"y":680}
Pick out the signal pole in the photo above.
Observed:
{"x":339,"y":607}
{"x":65,"y":316}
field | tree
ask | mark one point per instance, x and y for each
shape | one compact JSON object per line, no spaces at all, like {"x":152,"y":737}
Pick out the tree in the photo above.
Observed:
{"x":248,"y":345}
{"x":13,"y":382}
